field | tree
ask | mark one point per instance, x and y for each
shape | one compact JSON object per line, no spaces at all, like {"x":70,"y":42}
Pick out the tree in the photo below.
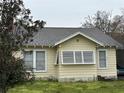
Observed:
{"x":14,"y":18}
{"x":119,"y":19}
{"x":104,"y":21}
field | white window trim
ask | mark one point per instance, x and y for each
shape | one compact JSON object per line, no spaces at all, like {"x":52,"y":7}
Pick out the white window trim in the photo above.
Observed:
{"x":82,"y":57}
{"x":94,"y":57}
{"x":102,"y":68}
{"x":57,"y":58}
{"x":74,"y":57}
{"x":62,"y":56}
{"x":34,"y":59}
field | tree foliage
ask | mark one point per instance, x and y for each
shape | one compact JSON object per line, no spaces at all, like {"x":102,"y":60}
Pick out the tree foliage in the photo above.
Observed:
{"x":14,"y":19}
{"x":105,"y":22}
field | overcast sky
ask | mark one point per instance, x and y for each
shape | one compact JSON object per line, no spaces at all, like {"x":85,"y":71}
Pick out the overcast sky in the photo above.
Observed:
{"x":70,"y":13}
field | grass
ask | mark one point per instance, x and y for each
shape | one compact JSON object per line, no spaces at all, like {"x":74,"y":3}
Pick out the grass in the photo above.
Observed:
{"x":77,"y":87}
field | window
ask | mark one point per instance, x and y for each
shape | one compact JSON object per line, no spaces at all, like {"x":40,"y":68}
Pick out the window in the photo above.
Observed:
{"x":35,"y":60}
{"x":57,"y":58}
{"x":40,"y":60}
{"x":28,"y":58}
{"x":68,"y":57}
{"x":102,"y":59}
{"x":88,"y":56}
{"x":78,"y":57}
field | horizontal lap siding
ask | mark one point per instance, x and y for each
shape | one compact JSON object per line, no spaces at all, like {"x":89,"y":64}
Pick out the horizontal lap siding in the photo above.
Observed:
{"x":51,"y":68}
{"x":77,"y":43}
{"x":111,"y":64}
{"x":75,"y":71}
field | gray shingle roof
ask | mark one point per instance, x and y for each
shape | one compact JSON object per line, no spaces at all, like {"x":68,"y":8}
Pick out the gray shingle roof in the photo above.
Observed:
{"x":50,"y":36}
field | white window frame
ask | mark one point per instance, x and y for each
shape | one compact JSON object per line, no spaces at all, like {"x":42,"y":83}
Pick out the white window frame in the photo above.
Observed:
{"x":62,"y":56}
{"x":81,"y":57}
{"x":34,"y":59}
{"x":106,"y":59}
{"x":57,"y":58}
{"x":94,"y":57}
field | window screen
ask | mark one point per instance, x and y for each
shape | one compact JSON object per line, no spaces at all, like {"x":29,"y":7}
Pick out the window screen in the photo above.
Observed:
{"x":68,"y":57}
{"x":78,"y":56}
{"x":40,"y":60}
{"x":28,"y":58}
{"x":102,"y":59}
{"x":88,"y":56}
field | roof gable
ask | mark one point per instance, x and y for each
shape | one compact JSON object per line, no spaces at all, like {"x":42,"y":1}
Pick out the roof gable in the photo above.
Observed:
{"x":75,"y":34}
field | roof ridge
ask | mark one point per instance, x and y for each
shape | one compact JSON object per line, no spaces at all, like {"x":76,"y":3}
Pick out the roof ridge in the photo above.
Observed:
{"x":67,"y":28}
{"x":51,"y":35}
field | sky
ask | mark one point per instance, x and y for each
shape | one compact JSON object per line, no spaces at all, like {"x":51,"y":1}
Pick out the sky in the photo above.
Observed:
{"x":70,"y":13}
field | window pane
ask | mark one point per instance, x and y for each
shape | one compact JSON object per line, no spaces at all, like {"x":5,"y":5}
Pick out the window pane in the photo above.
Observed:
{"x":88,"y":56}
{"x":102,"y":59}
{"x":78,"y":57}
{"x":68,"y":57}
{"x":28,"y":59}
{"x":57,"y":60}
{"x":40,"y":60}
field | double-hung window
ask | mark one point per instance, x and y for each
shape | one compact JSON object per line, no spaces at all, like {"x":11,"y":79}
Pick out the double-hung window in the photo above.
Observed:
{"x":40,"y":60}
{"x":35,"y":60}
{"x":102,"y":59}
{"x":28,"y":59}
{"x":78,"y":57}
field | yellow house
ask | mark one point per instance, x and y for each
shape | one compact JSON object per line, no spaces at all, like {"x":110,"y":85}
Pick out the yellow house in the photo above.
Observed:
{"x":72,"y":54}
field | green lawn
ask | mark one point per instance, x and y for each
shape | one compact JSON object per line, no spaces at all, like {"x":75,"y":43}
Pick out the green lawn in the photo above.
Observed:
{"x":78,"y":87}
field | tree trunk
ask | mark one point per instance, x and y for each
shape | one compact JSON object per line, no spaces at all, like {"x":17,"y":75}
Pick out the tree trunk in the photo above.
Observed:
{"x":3,"y":85}
{"x":3,"y":90}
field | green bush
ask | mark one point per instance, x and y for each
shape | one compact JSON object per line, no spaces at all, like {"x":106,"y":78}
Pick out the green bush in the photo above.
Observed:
{"x":19,"y":74}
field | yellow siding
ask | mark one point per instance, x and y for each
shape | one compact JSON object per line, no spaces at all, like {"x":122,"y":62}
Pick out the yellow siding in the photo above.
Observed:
{"x":111,"y":69}
{"x":51,"y":68}
{"x":77,"y":71}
